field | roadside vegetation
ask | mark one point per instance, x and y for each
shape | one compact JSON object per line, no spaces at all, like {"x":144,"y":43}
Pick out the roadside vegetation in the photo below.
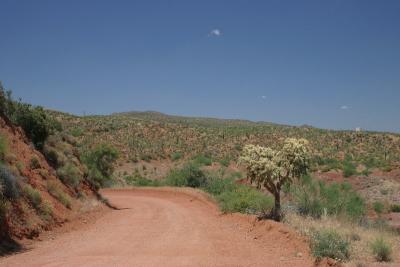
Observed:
{"x":35,"y":150}
{"x":331,"y":215}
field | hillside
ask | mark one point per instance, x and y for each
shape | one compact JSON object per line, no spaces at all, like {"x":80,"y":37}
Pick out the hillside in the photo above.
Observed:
{"x":153,"y":135}
{"x":35,"y":198}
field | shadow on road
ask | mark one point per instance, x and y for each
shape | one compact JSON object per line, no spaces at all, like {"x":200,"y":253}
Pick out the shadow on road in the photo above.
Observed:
{"x":9,"y":246}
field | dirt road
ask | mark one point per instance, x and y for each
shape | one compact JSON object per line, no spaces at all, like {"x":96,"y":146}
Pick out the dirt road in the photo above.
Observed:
{"x":168,"y":227}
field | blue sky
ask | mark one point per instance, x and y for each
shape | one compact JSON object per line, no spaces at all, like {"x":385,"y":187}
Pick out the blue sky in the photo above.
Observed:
{"x":331,"y":64}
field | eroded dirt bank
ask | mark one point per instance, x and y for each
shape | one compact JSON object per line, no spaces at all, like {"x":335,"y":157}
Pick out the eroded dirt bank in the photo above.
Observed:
{"x":168,"y":227}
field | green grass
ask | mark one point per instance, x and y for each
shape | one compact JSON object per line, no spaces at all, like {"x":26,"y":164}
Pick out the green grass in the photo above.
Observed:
{"x":225,"y":161}
{"x":70,"y":175}
{"x":176,"y":156}
{"x":137,"y":180}
{"x":313,"y":198}
{"x":202,"y":160}
{"x":190,"y":175}
{"x":328,"y":243}
{"x":244,"y":199}
{"x":349,"y":169}
{"x":54,"y":190}
{"x":381,"y":250}
{"x":378,"y":207}
{"x":76,"y":132}
{"x":33,"y":196}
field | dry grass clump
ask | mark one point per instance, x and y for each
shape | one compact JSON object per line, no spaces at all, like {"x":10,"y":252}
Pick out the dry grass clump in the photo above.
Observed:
{"x":360,"y":238}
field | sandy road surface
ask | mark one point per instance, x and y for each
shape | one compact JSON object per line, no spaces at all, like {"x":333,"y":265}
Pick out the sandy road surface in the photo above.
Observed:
{"x":168,"y":227}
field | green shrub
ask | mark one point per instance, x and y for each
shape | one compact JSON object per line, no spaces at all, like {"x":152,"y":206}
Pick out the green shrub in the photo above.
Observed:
{"x":52,"y":157}
{"x":225,"y":161}
{"x":328,"y":164}
{"x":3,"y":147}
{"x":8,"y":183}
{"x":46,"y":211}
{"x":216,"y":185}
{"x":236,"y":175}
{"x":36,"y":124}
{"x":20,"y":166}
{"x":56,"y":191}
{"x":100,"y":162}
{"x":328,"y":243}
{"x":202,"y":160}
{"x":176,"y":156}
{"x":146,"y":157}
{"x":76,"y":132}
{"x":349,"y":169}
{"x":381,"y":250}
{"x":366,"y":172}
{"x":33,"y":196}
{"x":244,"y":199}
{"x":355,"y":206}
{"x":314,"y":197}
{"x":395,"y":208}
{"x":35,"y":164}
{"x":190,"y":175}
{"x":378,"y":207}
{"x":138,"y":180}
{"x":70,"y":175}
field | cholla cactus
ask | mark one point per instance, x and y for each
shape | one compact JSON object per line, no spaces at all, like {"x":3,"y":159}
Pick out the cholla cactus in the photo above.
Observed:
{"x":272,"y":169}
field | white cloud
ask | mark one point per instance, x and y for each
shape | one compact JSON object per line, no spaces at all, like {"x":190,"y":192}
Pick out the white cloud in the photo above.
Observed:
{"x":344,"y":107}
{"x":215,"y":32}
{"x":264,"y":97}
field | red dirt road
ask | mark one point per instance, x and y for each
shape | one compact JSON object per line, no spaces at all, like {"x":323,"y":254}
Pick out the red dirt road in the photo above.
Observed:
{"x":168,"y":227}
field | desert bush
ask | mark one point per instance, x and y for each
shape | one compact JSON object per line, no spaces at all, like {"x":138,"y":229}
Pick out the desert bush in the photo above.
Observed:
{"x":349,"y":168}
{"x":381,"y":250}
{"x":326,"y":163}
{"x":70,"y":175}
{"x":51,"y":156}
{"x":54,"y":190}
{"x":100,"y":163}
{"x":176,"y":156}
{"x":35,"y":122}
{"x":395,"y":208}
{"x":244,"y":199}
{"x":190,"y":175}
{"x":216,"y":185}
{"x":328,"y":243}
{"x":44,"y":208}
{"x":202,"y":160}
{"x":378,"y":207}
{"x":46,"y":211}
{"x":236,"y":175}
{"x":138,"y":180}
{"x":8,"y":183}
{"x":225,"y":161}
{"x":313,"y":198}
{"x":34,"y":164}
{"x":76,"y":132}
{"x":33,"y":196}
{"x":3,"y":147}
{"x":146,"y":157}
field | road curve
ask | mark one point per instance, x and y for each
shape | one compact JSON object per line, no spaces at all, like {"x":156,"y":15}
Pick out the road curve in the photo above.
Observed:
{"x":168,"y":227}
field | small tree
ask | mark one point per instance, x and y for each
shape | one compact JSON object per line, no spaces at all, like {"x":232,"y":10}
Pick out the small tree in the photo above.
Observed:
{"x":272,"y":169}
